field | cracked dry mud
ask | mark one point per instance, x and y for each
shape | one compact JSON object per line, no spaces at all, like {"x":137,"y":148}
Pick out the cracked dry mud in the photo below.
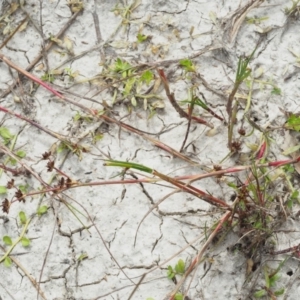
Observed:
{"x":91,"y":244}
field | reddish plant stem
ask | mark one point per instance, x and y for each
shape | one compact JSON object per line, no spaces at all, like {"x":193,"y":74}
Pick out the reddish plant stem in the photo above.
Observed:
{"x":33,"y":123}
{"x":262,"y":150}
{"x":192,"y":190}
{"x":174,"y":103}
{"x":95,"y":112}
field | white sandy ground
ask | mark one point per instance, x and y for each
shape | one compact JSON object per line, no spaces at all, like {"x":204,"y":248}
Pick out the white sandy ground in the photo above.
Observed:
{"x":118,"y":209}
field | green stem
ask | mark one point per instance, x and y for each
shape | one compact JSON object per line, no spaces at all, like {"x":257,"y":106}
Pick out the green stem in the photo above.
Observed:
{"x":16,"y":242}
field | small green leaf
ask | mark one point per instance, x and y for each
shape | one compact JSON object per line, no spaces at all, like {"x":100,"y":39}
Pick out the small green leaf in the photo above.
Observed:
{"x":289,"y":168}
{"x":25,"y":242}
{"x":77,"y":117}
{"x":170,"y":272}
{"x":129,"y":85}
{"x":21,"y":153}
{"x":48,"y":77}
{"x":97,"y":137}
{"x":258,"y":224}
{"x":180,"y":267}
{"x":3,"y":189}
{"x":291,"y":150}
{"x":178,"y":296}
{"x":295,"y":195}
{"x":7,"y":240}
{"x":7,"y":262}
{"x":259,"y":294}
{"x":267,"y":278}
{"x":5,"y":134}
{"x":42,"y":210}
{"x":276,"y":91}
{"x":133,"y":101}
{"x":61,"y":147}
{"x":274,"y":278}
{"x":279,"y":292}
{"x":147,"y":77}
{"x":82,"y":256}
{"x":121,"y":66}
{"x":187,"y":65}
{"x":232,"y":185}
{"x":141,"y":38}
{"x":12,"y":161}
{"x":289,"y":203}
{"x":23,"y":188}
{"x":293,"y":123}
{"x":150,"y":299}
{"x":22,"y":217}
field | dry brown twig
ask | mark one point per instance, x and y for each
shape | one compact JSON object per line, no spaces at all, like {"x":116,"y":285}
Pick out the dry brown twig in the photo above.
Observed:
{"x":235,"y":20}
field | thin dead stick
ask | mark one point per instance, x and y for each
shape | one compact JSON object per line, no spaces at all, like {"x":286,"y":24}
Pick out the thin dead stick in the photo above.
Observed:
{"x":46,"y":255}
{"x":7,"y":291}
{"x":136,"y":287}
{"x":238,"y":17}
{"x":98,"y":32}
{"x":188,"y":127}
{"x":40,"y":56}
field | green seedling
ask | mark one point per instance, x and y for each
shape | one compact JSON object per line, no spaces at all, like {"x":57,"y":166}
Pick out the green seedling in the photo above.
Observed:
{"x":72,"y":74}
{"x":42,"y":210}
{"x":22,"y":217}
{"x":147,"y":77}
{"x":193,"y":100}
{"x":82,"y":256}
{"x":80,"y":117}
{"x":122,"y":67}
{"x":294,"y":10}
{"x":7,"y":240}
{"x":23,"y":188}
{"x":271,"y":278}
{"x":96,"y":137}
{"x":3,"y":190}
{"x":242,"y":73}
{"x":74,"y":148}
{"x":187,"y":65}
{"x":293,"y":123}
{"x":20,"y":154}
{"x":6,"y":135}
{"x":125,"y":12}
{"x":48,"y":77}
{"x":178,"y":270}
{"x":257,"y":20}
{"x":7,"y":262}
{"x":142,"y":38}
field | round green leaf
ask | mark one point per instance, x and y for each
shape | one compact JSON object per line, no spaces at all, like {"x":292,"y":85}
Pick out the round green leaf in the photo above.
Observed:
{"x":25,"y":242}
{"x":42,"y":210}
{"x":22,"y":217}
{"x":7,"y":262}
{"x":7,"y":240}
{"x":3,"y":189}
